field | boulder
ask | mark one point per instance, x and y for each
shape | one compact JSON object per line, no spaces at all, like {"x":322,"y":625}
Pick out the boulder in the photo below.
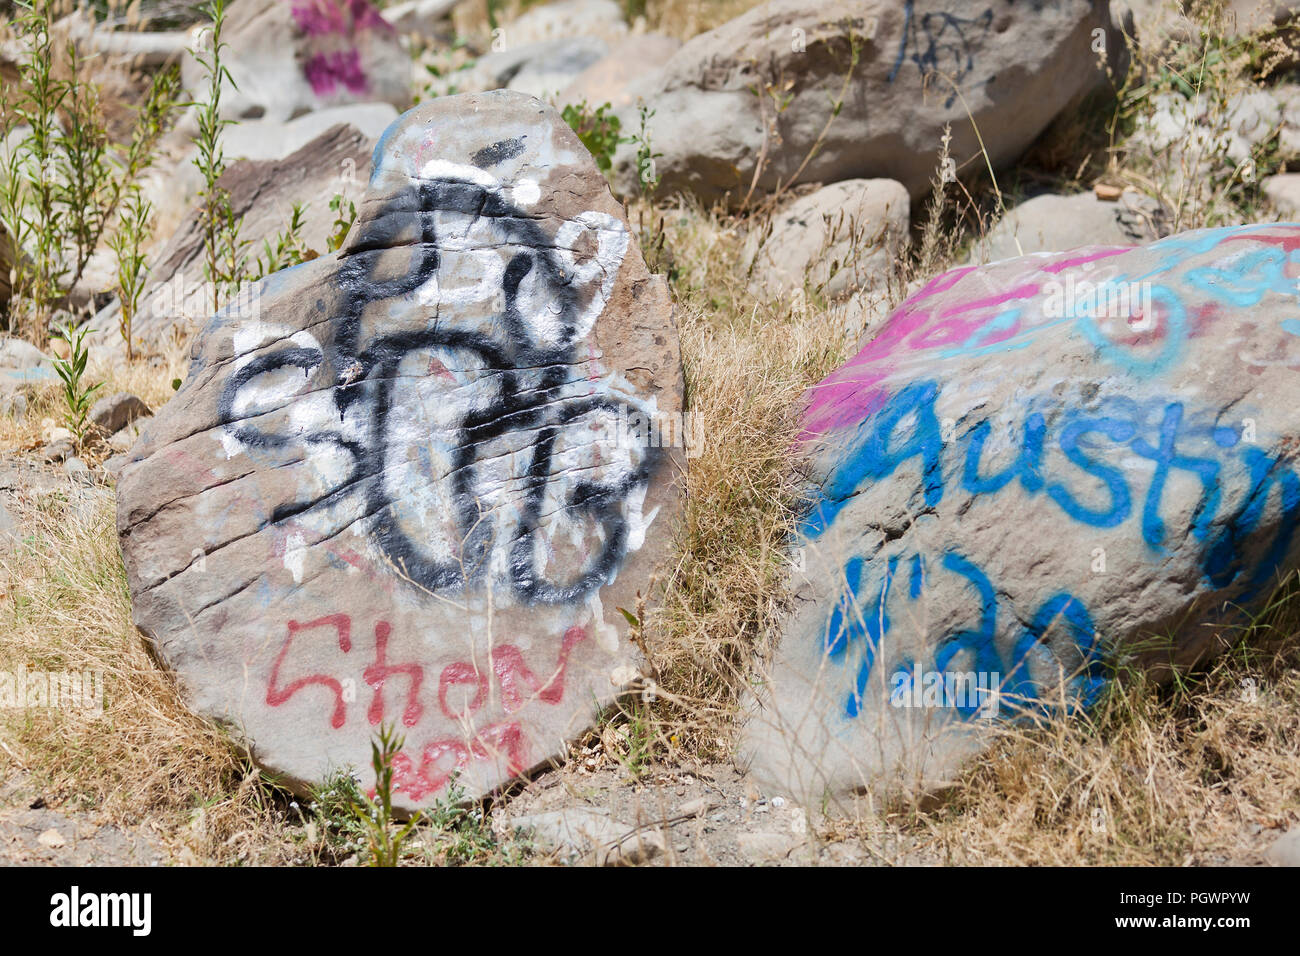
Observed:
{"x":562,"y":19}
{"x":775,"y":72}
{"x":289,"y":57}
{"x":1055,"y":223}
{"x":416,"y":488}
{"x":839,"y":239}
{"x":114,"y":412}
{"x":539,"y":69}
{"x":421,"y":18}
{"x":1034,"y":470}
{"x":1283,"y":191}
{"x":610,"y":80}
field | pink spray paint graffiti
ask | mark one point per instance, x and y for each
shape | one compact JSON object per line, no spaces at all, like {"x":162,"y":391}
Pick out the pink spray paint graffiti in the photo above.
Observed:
{"x":515,"y":687}
{"x":332,"y":29}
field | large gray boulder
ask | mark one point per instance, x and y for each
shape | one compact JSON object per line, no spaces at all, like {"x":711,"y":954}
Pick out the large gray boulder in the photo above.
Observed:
{"x":761,"y":87}
{"x":1033,"y":469}
{"x":415,"y":482}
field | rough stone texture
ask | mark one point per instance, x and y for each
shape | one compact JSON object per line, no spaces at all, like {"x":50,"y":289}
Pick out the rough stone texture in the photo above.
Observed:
{"x":423,"y":18}
{"x":566,"y":18}
{"x":1283,"y":191}
{"x":276,"y":140}
{"x":1285,"y":851}
{"x":1206,"y":141}
{"x":177,"y":299}
{"x":22,"y":366}
{"x":1018,"y":479}
{"x":289,"y":57}
{"x":611,"y":79}
{"x":416,"y":486}
{"x":1016,"y":66}
{"x":114,"y":412}
{"x":538,"y":69}
{"x":1052,"y":223}
{"x":839,"y":239}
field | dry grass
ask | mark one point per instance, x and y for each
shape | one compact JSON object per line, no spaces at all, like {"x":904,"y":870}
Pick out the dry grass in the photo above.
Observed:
{"x":1204,"y":772}
{"x":145,"y":758}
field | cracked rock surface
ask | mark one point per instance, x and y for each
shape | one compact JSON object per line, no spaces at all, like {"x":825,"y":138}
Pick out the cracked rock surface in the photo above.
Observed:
{"x":411,"y":482}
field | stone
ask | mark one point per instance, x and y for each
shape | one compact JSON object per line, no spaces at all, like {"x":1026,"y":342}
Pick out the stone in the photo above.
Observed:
{"x":289,"y":57}
{"x":562,"y":19}
{"x":1254,"y":16}
{"x":178,"y":298}
{"x":422,"y":18}
{"x":611,"y":79}
{"x":539,"y":69}
{"x":1285,"y":851}
{"x":77,"y":469}
{"x":417,"y":487}
{"x":114,"y":412}
{"x":766,"y":846}
{"x":1283,"y":191}
{"x":1032,"y":471}
{"x":275,"y":140}
{"x":573,"y":832}
{"x":23,"y":364}
{"x":839,"y":239}
{"x":56,"y":450}
{"x":1017,"y":69}
{"x":1204,"y":142}
{"x":1054,"y":223}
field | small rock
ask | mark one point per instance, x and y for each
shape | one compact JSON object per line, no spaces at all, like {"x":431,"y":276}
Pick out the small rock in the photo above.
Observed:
{"x":766,"y":846}
{"x":52,"y":839}
{"x":632,"y":849}
{"x":114,"y":465}
{"x":112,"y":413}
{"x":842,"y":238}
{"x":1286,"y":850}
{"x":57,"y":450}
{"x":75,"y":468}
{"x":697,"y":807}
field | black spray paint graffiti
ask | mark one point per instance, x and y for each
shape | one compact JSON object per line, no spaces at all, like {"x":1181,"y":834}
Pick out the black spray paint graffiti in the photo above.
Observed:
{"x":455,"y":397}
{"x":939,"y":43}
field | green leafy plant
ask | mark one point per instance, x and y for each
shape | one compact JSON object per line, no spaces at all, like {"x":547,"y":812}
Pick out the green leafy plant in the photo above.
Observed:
{"x":29,"y":206}
{"x":132,"y":231}
{"x":288,"y":249}
{"x":63,"y":180}
{"x":599,"y":130}
{"x":384,"y":837}
{"x":223,"y":250}
{"x":72,"y":370}
{"x":345,"y":214}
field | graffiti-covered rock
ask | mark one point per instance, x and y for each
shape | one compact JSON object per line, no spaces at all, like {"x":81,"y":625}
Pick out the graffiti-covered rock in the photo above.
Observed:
{"x":289,"y":57}
{"x":864,"y":89}
{"x":413,"y":482}
{"x":1032,"y":471}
